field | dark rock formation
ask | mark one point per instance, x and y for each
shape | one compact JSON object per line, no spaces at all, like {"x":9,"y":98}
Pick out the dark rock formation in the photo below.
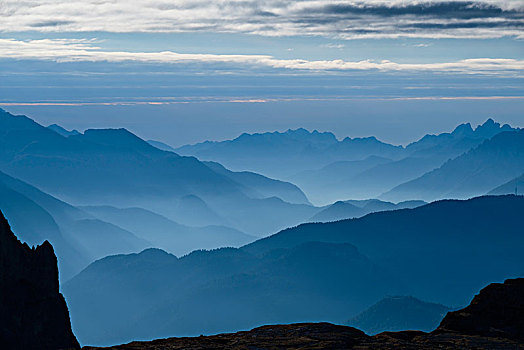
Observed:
{"x":33,"y":313}
{"x":494,"y":320}
{"x":497,"y":311}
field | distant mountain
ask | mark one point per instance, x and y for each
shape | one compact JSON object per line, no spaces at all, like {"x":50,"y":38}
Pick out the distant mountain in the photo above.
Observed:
{"x":258,"y":186}
{"x":421,"y":157}
{"x":194,"y":211}
{"x":33,"y":313}
{"x":100,"y":165}
{"x":283,"y":154}
{"x":335,"y":180}
{"x":161,"y":145}
{"x":61,"y":131}
{"x":330,"y":170}
{"x":83,"y":234}
{"x":221,"y":290}
{"x":399,"y":313}
{"x":310,"y":272}
{"x":492,"y":163}
{"x":479,"y":238}
{"x":493,"y":321}
{"x":516,"y":184}
{"x":462,"y":139}
{"x":418,"y":158}
{"x":338,"y":211}
{"x":167,"y":234}
{"x":115,"y":167}
{"x":101,"y":239}
{"x":78,"y":237}
{"x":357,"y":208}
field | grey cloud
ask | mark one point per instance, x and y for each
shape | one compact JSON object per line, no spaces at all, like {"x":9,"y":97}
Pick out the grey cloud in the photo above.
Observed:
{"x":51,"y":23}
{"x":331,"y":18}
{"x":446,"y":9}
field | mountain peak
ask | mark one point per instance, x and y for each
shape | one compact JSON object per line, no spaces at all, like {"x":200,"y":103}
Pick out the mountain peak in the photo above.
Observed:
{"x":490,"y":128}
{"x":155,"y":254}
{"x":298,"y":131}
{"x":119,"y":138}
{"x":463,"y":129}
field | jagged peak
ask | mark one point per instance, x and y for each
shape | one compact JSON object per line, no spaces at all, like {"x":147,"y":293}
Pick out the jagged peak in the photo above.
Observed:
{"x":489,"y":123}
{"x":463,"y":128}
{"x":289,"y":132}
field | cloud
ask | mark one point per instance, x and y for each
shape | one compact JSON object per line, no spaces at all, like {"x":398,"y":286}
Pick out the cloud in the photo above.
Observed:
{"x":73,"y":50}
{"x":333,"y":46}
{"x":332,"y":18}
{"x":214,"y":99}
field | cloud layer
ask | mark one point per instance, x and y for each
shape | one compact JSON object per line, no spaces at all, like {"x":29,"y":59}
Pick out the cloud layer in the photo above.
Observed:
{"x":332,"y":18}
{"x":71,"y":50}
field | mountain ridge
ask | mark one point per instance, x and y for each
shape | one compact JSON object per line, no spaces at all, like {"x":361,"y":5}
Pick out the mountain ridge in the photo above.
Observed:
{"x":499,"y":331}
{"x":310,"y":272}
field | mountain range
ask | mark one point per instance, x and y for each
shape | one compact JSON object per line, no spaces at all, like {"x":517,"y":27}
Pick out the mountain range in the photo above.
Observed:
{"x":34,"y":315}
{"x":113,"y":167}
{"x":514,"y":186}
{"x":330,"y":170}
{"x":356,"y":208}
{"x":321,"y":271}
{"x":492,"y":163}
{"x":492,"y":321}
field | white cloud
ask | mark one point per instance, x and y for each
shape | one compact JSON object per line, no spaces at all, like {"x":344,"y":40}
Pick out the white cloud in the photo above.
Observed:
{"x":348,"y":19}
{"x":70,"y":50}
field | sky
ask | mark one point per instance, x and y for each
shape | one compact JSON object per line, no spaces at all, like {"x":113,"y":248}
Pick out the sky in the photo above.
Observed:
{"x":186,"y":71}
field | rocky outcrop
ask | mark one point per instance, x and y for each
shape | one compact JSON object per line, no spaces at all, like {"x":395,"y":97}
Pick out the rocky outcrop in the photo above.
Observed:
{"x":33,"y":313}
{"x":494,"y":320}
{"x":497,"y":311}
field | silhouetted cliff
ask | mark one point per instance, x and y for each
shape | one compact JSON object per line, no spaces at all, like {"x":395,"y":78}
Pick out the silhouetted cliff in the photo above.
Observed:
{"x":497,"y":311}
{"x":33,"y":313}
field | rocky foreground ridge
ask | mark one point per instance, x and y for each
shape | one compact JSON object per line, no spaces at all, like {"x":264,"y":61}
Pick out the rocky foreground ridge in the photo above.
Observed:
{"x":493,"y":320}
{"x":33,"y":313}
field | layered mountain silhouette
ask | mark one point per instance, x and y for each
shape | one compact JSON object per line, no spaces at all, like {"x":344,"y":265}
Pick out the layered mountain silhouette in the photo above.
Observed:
{"x":356,"y":208}
{"x":78,"y":237}
{"x":33,"y":313}
{"x":399,"y":313}
{"x":115,"y":167}
{"x":330,"y":170}
{"x":312,"y":272}
{"x":61,"y":131}
{"x":473,"y":241}
{"x":154,"y":294}
{"x":514,"y":186}
{"x":493,"y":321}
{"x":494,"y":162}
{"x":166,"y":234}
{"x":161,"y":145}
{"x":81,"y":235}
{"x":338,"y":211}
{"x":418,"y":158}
{"x":282,"y":154}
